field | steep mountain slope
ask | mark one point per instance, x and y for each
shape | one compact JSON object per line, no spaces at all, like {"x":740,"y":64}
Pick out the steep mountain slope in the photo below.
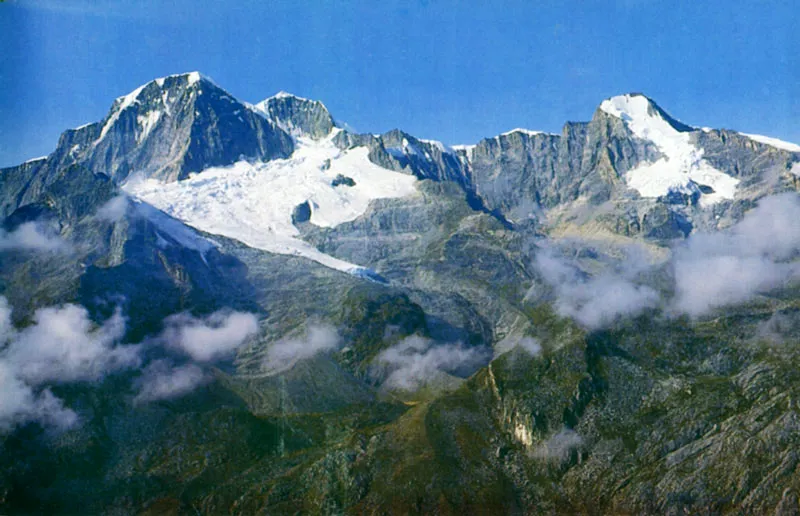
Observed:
{"x":319,"y":321}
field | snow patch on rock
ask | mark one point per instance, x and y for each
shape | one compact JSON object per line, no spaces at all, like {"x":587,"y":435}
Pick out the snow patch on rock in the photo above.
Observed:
{"x":528,"y":132}
{"x":147,"y":123}
{"x":682,"y":167}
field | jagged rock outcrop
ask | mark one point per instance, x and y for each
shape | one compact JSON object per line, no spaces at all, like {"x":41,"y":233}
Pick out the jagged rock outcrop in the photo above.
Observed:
{"x":297,"y":115}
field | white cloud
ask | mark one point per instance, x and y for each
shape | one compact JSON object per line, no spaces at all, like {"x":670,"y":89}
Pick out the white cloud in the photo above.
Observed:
{"x":284,"y":354}
{"x":212,"y":337}
{"x":595,"y":301}
{"x":559,"y":446}
{"x":62,"y":345}
{"x":780,"y":326}
{"x":415,"y":361}
{"x":6,"y":328}
{"x":529,"y":345}
{"x":714,"y":270}
{"x":31,"y":236}
{"x":161,"y":380}
{"x":114,"y":209}
{"x":756,"y":255}
{"x":19,"y":403}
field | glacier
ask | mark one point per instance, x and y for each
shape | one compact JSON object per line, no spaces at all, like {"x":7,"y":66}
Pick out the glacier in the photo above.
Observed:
{"x":253,"y":202}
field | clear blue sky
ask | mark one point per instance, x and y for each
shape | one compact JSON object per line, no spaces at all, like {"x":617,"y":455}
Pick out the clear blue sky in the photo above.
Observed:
{"x":437,"y":69}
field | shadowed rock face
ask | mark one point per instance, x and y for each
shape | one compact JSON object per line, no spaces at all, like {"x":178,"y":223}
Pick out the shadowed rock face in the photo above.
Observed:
{"x":170,"y":128}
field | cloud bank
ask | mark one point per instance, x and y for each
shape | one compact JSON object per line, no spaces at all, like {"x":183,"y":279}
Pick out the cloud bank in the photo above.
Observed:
{"x":708,"y":270}
{"x":284,"y":354}
{"x":595,"y":301}
{"x":162,"y":380}
{"x":31,"y":236}
{"x":529,"y":345}
{"x":718,"y":269}
{"x":559,"y":446}
{"x":210,"y":338}
{"x":115,"y":209}
{"x":415,"y":361}
{"x":63,"y":345}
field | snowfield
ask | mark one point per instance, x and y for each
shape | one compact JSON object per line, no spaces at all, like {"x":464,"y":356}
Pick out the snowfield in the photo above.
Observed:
{"x":682,"y":167}
{"x":254,"y":202}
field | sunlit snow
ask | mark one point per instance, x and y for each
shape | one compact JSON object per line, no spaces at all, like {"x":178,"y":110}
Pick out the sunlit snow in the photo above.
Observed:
{"x":682,"y":163}
{"x":439,"y":145}
{"x":147,"y":123}
{"x":253,"y":202}
{"x":528,"y":132}
{"x":778,"y":144}
{"x":468,"y":149}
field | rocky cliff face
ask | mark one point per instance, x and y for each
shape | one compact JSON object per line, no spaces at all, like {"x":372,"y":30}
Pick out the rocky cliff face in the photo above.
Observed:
{"x":297,"y":115}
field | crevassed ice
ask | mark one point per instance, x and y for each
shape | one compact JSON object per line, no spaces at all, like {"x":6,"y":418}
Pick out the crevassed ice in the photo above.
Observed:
{"x":253,"y":202}
{"x":682,"y":163}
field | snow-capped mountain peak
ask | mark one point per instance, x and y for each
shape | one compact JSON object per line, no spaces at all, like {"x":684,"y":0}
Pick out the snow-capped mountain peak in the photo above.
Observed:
{"x":681,"y":167}
{"x":640,"y":111}
{"x":157,"y":105}
{"x":286,"y":95}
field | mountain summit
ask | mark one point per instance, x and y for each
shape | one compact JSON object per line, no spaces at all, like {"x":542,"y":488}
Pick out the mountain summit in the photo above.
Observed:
{"x":638,"y":109}
{"x":169,"y":128}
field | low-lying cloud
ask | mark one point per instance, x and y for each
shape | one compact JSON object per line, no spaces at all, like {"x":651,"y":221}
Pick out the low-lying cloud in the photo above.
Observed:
{"x":708,"y":270}
{"x":415,"y":361}
{"x":115,"y":209}
{"x":285,"y":353}
{"x":31,"y":236}
{"x":714,"y":270}
{"x":19,"y":403}
{"x":209,"y":338}
{"x":595,"y":301}
{"x":63,"y":345}
{"x":162,"y":380}
{"x":559,"y":447}
{"x":529,"y":345}
{"x":780,"y":326}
